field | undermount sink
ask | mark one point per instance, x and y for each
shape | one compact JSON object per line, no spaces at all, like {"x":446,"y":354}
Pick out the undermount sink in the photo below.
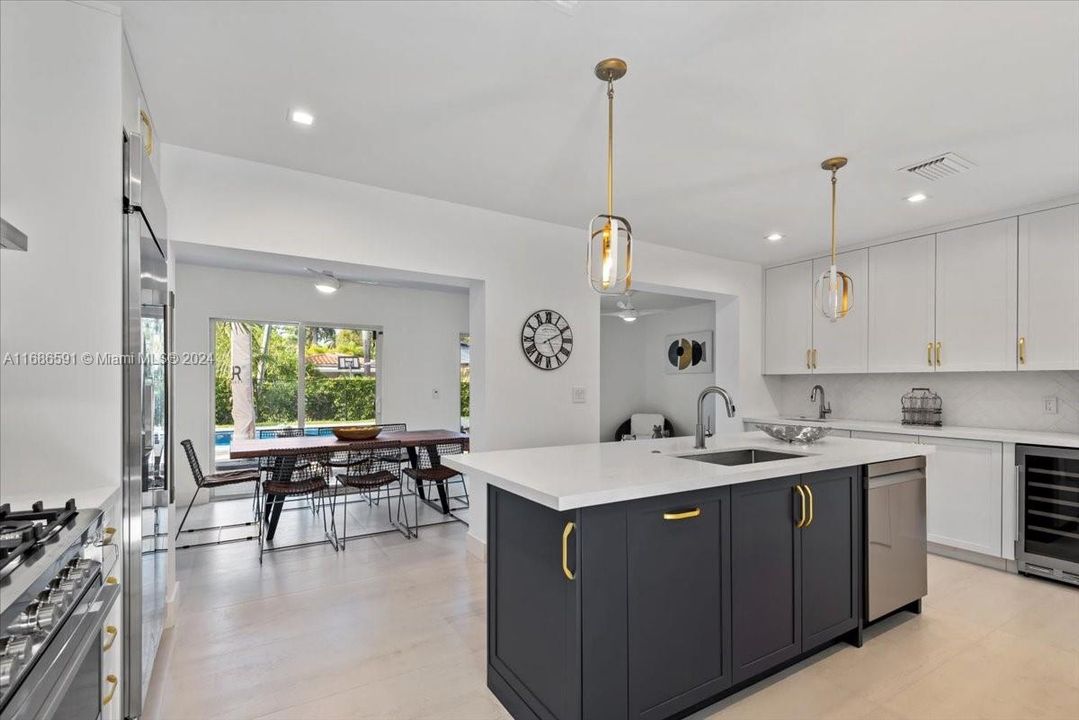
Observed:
{"x":743,"y":456}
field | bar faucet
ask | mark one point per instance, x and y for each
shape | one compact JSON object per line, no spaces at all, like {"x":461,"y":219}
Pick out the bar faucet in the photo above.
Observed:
{"x":825,"y":408}
{"x":699,"y":444}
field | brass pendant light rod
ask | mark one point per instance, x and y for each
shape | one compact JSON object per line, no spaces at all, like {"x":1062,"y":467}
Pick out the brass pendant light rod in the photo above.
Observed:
{"x":610,"y":70}
{"x":833,"y":164}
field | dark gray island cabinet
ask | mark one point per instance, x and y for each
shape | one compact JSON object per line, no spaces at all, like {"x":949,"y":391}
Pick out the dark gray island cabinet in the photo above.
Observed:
{"x":652,"y":608}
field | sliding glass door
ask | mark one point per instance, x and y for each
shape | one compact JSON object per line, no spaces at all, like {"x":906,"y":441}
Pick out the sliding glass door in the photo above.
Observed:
{"x":269,"y":376}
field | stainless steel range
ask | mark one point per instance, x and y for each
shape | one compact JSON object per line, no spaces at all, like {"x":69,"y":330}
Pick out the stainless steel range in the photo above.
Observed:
{"x":53,"y":600}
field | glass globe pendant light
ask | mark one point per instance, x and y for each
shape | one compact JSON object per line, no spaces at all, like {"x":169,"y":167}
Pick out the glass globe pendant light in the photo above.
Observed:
{"x":834,"y":292}
{"x":610,"y":239}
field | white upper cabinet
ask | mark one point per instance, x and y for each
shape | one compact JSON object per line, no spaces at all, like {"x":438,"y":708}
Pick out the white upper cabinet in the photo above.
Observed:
{"x":787,"y":323}
{"x":1049,"y":290}
{"x":840,"y":346}
{"x":902,"y":289}
{"x":976,"y":291}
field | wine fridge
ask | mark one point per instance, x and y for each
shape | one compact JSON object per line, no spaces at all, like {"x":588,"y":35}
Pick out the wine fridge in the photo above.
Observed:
{"x":1047,"y":538}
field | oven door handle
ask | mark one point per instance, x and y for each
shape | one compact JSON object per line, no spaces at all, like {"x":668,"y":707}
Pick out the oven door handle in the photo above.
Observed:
{"x":88,"y":632}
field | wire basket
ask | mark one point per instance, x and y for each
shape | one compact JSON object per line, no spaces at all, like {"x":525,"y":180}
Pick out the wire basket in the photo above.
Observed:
{"x":922,"y":406}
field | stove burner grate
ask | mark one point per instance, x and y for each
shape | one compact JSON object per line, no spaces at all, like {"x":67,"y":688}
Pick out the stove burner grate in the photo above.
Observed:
{"x":24,"y":531}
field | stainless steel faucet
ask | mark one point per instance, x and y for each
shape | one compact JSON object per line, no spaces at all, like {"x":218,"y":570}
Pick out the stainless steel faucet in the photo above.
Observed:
{"x":699,"y":444}
{"x":825,"y":408}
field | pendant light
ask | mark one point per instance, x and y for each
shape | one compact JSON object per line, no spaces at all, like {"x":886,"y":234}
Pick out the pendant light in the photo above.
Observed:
{"x":610,"y":240}
{"x":834,"y":293}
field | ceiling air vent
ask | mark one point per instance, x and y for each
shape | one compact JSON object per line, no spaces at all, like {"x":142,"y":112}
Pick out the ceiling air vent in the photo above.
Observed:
{"x":939,"y":167}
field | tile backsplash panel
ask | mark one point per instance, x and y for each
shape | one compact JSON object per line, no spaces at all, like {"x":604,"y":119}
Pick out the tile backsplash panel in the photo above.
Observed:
{"x":1012,"y":400}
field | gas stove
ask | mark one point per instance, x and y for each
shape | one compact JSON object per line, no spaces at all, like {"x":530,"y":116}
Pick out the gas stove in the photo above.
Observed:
{"x":24,"y":532}
{"x":50,"y":582}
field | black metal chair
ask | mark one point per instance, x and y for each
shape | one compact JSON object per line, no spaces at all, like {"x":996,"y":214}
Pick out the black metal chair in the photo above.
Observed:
{"x":369,"y":474}
{"x":215,"y":480}
{"x":295,"y":476}
{"x":431,"y":473}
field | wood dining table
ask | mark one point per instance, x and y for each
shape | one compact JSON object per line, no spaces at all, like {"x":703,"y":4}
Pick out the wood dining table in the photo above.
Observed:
{"x":284,"y":451}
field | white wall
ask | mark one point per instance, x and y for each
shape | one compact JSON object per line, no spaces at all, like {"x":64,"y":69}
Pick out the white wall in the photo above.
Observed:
{"x":675,"y":396}
{"x":519,"y":266}
{"x":60,"y":172}
{"x":635,"y":378}
{"x":420,"y":349}
{"x":621,"y":382}
{"x":980,"y":399}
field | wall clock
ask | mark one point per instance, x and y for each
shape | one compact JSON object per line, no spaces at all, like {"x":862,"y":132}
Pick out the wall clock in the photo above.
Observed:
{"x":546,"y":339}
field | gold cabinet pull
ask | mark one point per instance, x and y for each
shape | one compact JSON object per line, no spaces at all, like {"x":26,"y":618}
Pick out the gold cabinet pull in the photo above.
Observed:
{"x":107,"y":535}
{"x":810,"y":494}
{"x":802,"y":518}
{"x":684,"y":515}
{"x":814,"y":358}
{"x":1022,"y":351}
{"x":570,"y":575}
{"x":809,"y":363}
{"x":111,"y":631}
{"x":929,"y":354}
{"x":111,"y":580}
{"x":938,"y":354}
{"x":114,"y":681}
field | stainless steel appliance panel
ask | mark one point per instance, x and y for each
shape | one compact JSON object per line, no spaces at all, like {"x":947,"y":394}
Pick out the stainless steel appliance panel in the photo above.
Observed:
{"x":896,"y":535}
{"x":1047,"y":490}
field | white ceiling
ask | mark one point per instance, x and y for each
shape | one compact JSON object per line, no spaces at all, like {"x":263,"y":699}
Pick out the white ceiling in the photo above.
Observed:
{"x":233,"y":259}
{"x":720,"y":125}
{"x":650,"y":302}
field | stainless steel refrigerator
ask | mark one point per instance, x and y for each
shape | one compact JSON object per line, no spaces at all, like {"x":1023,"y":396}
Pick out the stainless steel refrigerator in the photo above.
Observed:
{"x":147,"y":408}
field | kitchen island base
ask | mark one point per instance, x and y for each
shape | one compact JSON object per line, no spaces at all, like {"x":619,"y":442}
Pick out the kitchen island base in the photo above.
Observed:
{"x":657,"y":607}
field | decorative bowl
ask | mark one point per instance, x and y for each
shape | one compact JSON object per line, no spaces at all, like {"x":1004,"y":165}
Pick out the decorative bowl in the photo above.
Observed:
{"x":801,"y":434}
{"x":368,"y":432}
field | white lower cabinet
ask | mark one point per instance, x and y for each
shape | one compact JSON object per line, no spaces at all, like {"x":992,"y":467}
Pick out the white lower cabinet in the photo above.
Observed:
{"x":112,"y":666}
{"x":964,"y":491}
{"x":963,"y":494}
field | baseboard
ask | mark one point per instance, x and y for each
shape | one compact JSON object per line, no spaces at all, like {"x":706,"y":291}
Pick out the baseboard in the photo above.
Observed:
{"x":476,"y":548}
{"x":972,"y":557}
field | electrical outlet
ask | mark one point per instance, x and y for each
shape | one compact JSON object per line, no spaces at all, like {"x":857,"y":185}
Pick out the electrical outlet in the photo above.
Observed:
{"x":434,"y":394}
{"x":580,"y":394}
{"x":1049,"y":405}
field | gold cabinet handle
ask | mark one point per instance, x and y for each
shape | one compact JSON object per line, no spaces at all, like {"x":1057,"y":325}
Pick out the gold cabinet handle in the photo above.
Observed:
{"x":684,"y":515}
{"x":107,"y":535}
{"x":570,"y":575}
{"x":111,"y":580}
{"x":929,"y":354}
{"x":810,"y":494}
{"x":1022,"y":351}
{"x":114,"y":681}
{"x":802,"y":518}
{"x":111,"y":631}
{"x":938,"y":354}
{"x":809,"y":363}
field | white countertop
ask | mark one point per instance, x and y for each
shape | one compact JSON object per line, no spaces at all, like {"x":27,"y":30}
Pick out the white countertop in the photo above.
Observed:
{"x":96,"y":497}
{"x":573,"y":476}
{"x":1025,"y":437}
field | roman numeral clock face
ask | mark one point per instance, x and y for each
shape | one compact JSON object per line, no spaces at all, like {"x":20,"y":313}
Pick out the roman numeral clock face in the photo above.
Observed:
{"x":546,"y":339}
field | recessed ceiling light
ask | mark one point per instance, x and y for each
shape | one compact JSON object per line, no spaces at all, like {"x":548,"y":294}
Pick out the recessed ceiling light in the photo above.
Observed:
{"x":916,"y":197}
{"x":302,"y":117}
{"x":774,"y":237}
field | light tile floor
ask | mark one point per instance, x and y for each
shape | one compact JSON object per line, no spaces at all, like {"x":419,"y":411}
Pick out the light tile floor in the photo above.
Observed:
{"x":394,"y":629}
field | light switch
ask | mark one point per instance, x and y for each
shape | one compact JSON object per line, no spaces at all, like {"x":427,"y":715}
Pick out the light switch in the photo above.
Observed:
{"x":580,"y":394}
{"x":434,"y":394}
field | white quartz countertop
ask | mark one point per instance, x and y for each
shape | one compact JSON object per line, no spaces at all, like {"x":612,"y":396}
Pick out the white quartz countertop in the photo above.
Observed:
{"x":1024,"y":437}
{"x":574,"y":476}
{"x":95,"y":497}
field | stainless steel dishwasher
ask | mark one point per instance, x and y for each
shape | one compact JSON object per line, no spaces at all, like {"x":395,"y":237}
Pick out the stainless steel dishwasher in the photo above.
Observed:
{"x":895,"y":534}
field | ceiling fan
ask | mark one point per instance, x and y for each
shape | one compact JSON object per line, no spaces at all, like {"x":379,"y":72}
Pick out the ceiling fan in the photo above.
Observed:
{"x":627,"y":311}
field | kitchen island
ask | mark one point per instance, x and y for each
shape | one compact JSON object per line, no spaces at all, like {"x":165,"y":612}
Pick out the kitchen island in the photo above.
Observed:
{"x":647,"y":579}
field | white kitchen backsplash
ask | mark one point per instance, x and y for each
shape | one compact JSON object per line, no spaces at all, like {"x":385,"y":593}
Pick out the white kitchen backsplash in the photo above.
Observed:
{"x":1013,"y":400}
